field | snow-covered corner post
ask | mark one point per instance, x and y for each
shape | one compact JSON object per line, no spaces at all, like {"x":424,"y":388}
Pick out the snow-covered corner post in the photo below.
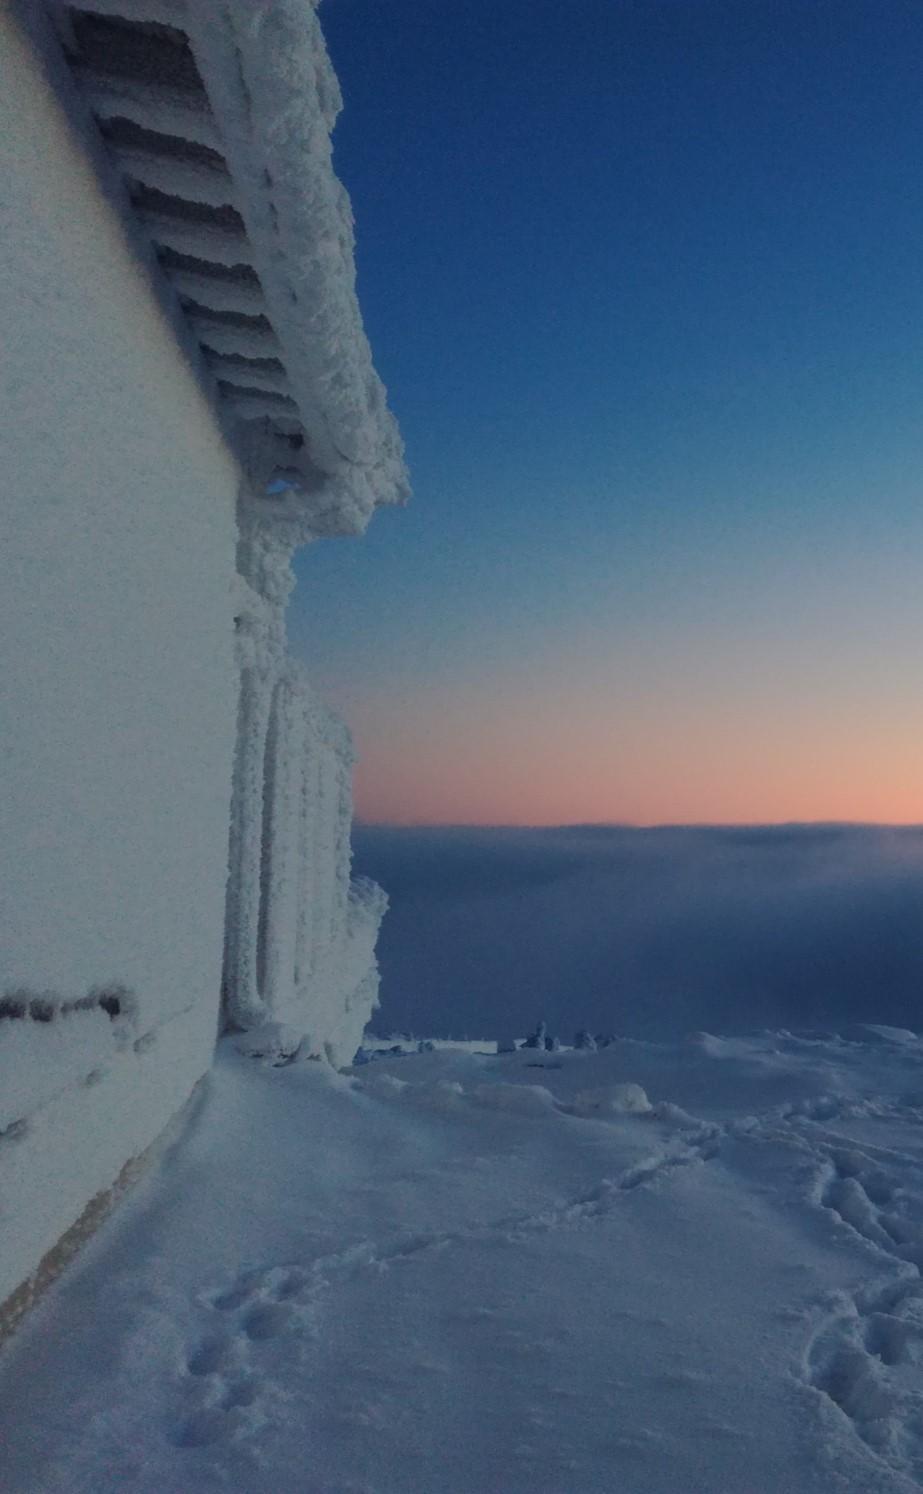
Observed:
{"x":263,"y":585}
{"x":335,"y":984}
{"x":300,"y":942}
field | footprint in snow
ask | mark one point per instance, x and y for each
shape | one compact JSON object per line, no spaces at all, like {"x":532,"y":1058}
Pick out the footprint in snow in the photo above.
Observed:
{"x":223,"y":1368}
{"x":268,"y":1320}
{"x":224,"y":1383}
{"x":865,"y":1358}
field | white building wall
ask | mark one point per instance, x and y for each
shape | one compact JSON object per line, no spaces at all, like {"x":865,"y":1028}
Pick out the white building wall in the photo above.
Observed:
{"x":118,"y":698}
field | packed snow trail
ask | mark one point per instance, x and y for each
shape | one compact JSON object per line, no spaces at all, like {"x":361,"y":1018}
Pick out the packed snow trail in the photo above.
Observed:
{"x":461,"y":1273}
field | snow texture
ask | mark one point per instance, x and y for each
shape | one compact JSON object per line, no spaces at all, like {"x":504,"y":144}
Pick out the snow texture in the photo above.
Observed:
{"x":477,"y":1285}
{"x":618,"y":1099}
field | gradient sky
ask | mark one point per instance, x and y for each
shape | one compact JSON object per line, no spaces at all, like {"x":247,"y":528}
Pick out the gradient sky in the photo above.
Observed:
{"x":645,"y":281}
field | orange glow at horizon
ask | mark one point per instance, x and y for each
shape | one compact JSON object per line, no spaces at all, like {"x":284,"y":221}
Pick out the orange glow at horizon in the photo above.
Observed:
{"x":656,"y":760}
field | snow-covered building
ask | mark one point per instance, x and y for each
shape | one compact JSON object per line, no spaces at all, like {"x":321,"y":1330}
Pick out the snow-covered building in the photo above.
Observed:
{"x":186,"y":395}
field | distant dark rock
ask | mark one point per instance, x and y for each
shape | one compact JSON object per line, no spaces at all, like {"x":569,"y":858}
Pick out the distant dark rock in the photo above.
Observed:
{"x":536,"y":1039}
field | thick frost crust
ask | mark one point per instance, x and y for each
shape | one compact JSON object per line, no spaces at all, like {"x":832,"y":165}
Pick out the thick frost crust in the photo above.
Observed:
{"x":275,"y":97}
{"x":217,"y":115}
{"x":300,"y":934}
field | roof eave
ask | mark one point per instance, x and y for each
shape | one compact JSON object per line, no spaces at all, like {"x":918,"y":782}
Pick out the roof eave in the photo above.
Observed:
{"x":270,"y":101}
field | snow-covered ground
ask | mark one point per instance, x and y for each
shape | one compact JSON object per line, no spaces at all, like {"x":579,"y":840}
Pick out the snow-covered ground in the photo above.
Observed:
{"x":465,"y":1272}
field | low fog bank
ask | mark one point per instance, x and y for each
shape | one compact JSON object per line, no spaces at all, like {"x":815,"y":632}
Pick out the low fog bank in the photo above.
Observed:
{"x":647,"y":932}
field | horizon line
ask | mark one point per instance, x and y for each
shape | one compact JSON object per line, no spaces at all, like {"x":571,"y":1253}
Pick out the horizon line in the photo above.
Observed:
{"x":374,"y":824}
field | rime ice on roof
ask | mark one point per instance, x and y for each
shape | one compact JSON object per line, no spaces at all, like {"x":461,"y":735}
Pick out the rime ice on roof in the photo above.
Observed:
{"x":218,"y":117}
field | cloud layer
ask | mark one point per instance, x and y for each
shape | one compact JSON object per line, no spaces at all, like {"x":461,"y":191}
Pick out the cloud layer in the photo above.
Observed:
{"x":647,"y":932}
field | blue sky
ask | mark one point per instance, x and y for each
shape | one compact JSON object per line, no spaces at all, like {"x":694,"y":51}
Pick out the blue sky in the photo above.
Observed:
{"x":645,"y":281}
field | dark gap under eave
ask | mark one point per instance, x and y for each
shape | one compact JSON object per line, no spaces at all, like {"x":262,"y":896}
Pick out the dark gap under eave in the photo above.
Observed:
{"x":125,"y":134}
{"x":240,"y":274}
{"x":240,"y":319}
{"x":247,"y":391}
{"x":241,"y":361}
{"x":146,"y":50}
{"x":187,"y":209}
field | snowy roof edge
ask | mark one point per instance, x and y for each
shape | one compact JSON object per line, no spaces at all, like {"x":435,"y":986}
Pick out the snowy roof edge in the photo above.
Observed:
{"x":268,"y":104}
{"x":276,"y":99}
